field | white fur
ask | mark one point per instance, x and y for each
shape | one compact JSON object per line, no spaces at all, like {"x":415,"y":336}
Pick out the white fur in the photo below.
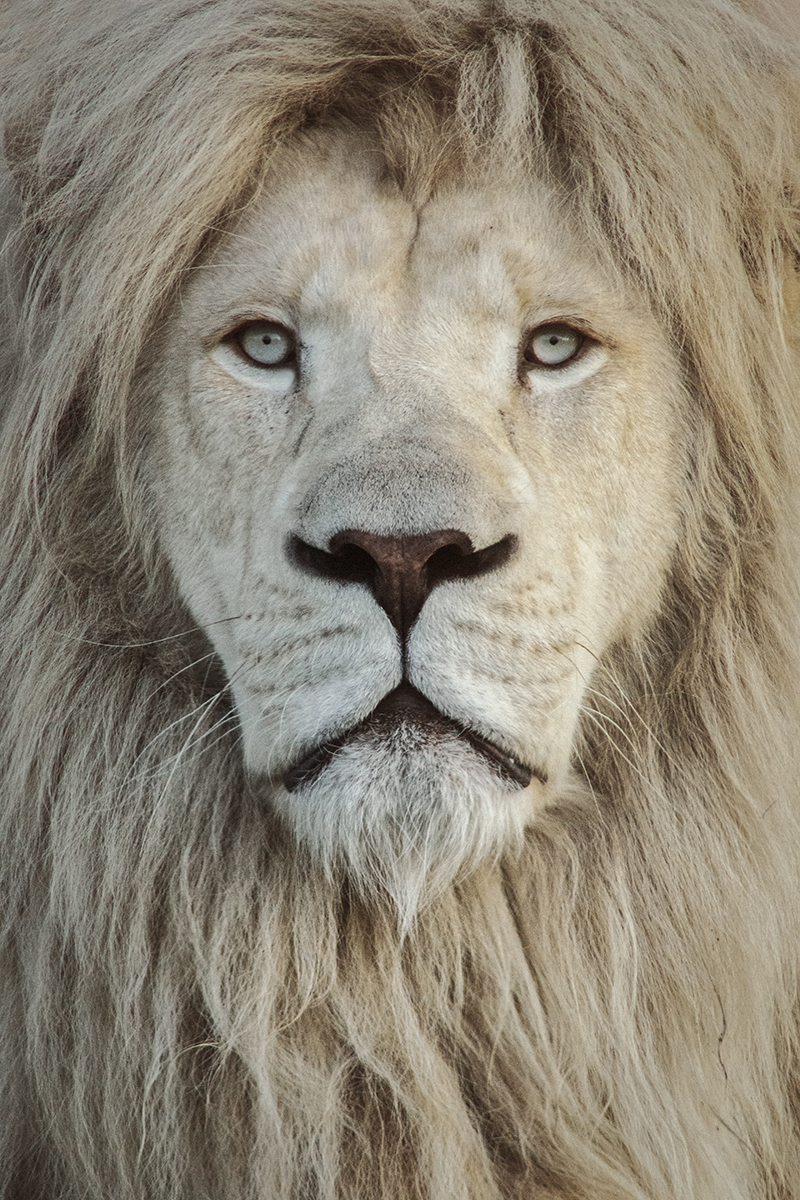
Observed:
{"x":406,"y":979}
{"x":408,"y":415}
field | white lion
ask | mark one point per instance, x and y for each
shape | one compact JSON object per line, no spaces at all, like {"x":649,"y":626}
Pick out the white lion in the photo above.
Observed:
{"x":400,"y":667}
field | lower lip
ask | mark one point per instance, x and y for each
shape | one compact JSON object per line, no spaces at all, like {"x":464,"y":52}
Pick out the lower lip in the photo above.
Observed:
{"x":405,"y":703}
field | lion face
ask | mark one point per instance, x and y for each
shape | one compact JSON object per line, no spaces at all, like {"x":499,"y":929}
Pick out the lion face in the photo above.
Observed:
{"x":416,"y":470}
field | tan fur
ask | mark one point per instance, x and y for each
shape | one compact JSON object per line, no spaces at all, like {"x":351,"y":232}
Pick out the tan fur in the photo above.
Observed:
{"x":198,"y":1000}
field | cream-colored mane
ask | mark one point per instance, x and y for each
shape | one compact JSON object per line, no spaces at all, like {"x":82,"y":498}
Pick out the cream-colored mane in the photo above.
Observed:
{"x":195,"y":1002}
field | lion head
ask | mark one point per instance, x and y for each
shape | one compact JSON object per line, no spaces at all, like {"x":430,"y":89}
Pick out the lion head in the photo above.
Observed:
{"x":400,"y":665}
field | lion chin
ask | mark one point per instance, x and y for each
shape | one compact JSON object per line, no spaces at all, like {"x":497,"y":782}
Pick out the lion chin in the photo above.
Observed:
{"x":406,"y":802}
{"x":400,"y":600}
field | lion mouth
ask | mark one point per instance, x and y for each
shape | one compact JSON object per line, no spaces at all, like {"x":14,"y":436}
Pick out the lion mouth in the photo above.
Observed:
{"x":406,"y":704}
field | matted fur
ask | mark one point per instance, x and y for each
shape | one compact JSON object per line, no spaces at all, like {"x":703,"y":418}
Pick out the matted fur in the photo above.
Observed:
{"x":189,"y":1009}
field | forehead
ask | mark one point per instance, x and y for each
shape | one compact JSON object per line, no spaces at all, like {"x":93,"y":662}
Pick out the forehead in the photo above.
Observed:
{"x":331,"y":227}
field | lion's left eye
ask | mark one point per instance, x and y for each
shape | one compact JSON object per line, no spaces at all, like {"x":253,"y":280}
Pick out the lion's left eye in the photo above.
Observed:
{"x":265,"y":343}
{"x":552,"y":346}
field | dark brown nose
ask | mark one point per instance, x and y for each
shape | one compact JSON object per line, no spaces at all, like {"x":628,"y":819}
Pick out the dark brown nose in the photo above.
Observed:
{"x":401,"y":571}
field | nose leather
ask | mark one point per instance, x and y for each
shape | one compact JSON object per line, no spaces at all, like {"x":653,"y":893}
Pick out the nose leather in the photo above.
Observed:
{"x":400,"y":571}
{"x":403,"y":578}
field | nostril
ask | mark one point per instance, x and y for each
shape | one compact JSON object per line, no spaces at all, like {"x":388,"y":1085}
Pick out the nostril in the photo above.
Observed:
{"x":455,"y":562}
{"x":347,"y":564}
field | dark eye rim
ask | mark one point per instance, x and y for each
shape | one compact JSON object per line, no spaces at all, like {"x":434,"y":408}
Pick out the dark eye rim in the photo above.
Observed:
{"x":233,"y":339}
{"x":529,"y":363}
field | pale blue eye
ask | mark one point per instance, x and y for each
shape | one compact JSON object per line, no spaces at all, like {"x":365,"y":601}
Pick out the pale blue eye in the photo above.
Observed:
{"x":553,"y":345}
{"x":266,"y":343}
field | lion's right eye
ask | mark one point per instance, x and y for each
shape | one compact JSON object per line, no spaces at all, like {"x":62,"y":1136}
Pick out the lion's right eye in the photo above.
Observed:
{"x":552,"y":346}
{"x":265,"y":343}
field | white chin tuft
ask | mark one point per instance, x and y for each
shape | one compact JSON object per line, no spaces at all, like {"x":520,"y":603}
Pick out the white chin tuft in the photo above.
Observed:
{"x":404,"y":812}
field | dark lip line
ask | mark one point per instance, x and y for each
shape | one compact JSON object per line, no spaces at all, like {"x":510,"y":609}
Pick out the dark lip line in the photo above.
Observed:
{"x":506,"y":765}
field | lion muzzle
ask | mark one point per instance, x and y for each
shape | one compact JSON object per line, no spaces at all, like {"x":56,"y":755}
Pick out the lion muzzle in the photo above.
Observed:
{"x":401,"y":571}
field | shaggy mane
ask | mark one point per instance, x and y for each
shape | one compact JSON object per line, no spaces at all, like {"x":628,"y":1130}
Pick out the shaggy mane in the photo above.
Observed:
{"x":188,"y":1009}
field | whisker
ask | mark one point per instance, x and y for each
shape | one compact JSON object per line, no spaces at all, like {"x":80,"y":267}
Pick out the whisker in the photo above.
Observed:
{"x":153,"y":641}
{"x":203,"y":658}
{"x":602,"y":721}
{"x":627,"y":710}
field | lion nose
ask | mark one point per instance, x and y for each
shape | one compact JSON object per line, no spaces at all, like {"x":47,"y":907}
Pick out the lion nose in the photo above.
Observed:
{"x":400,"y":571}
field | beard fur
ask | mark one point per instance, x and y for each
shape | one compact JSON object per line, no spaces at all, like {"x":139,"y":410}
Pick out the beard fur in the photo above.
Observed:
{"x":404,"y":813}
